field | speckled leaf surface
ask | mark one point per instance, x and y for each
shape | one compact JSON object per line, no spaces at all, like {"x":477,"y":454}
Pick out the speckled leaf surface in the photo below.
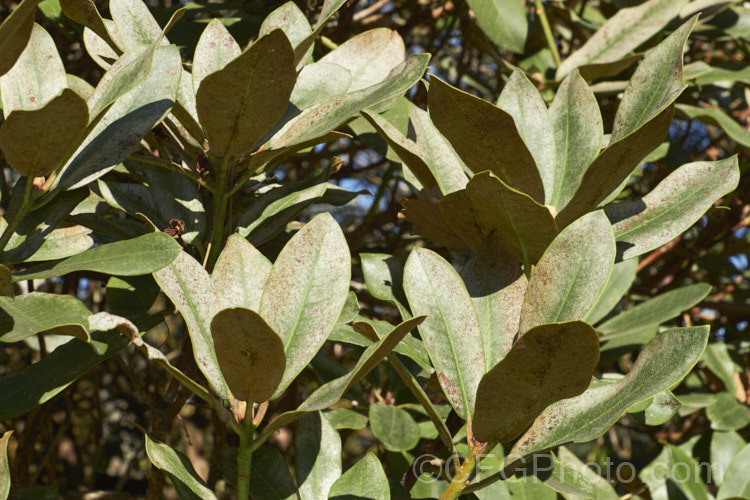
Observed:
{"x":521,"y":100}
{"x":35,"y":143}
{"x":216,"y":47}
{"x":318,"y":82}
{"x":526,"y":227}
{"x":496,"y":285}
{"x":240,"y":274}
{"x":383,"y":275}
{"x":4,"y":467}
{"x":365,"y":479}
{"x":570,"y":275}
{"x":672,"y":206}
{"x":250,"y":353}
{"x":64,"y":242}
{"x":37,"y":77}
{"x":189,"y":287}
{"x":661,"y":364}
{"x":306,"y":290}
{"x":27,"y":315}
{"x":239,"y":103}
{"x":623,"y":275}
{"x":85,"y":13}
{"x":302,"y":49}
{"x":295,"y":25}
{"x":577,"y":129}
{"x":136,"y":25}
{"x":451,"y":331}
{"x":485,"y":137}
{"x":548,"y":363}
{"x":100,"y":51}
{"x":14,"y":34}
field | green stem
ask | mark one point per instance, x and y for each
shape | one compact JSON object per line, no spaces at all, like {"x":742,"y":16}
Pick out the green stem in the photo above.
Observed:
{"x":461,"y":479}
{"x":245,"y":456}
{"x":22,"y":211}
{"x":547,"y":31}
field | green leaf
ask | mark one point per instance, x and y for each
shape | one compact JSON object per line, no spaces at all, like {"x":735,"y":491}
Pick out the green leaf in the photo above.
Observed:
{"x":719,"y":360}
{"x":672,"y":207}
{"x":240,"y":274}
{"x":369,"y":56}
{"x":189,"y":287}
{"x":344,"y":418}
{"x":318,"y":82}
{"x":529,"y":487}
{"x":318,"y":456}
{"x":15,"y":33}
{"x":725,"y":445}
{"x":296,"y":27}
{"x":526,"y":227}
{"x":137,"y":27}
{"x":604,"y":490}
{"x":302,"y":50}
{"x":328,"y":115}
{"x":37,"y":77}
{"x":485,"y":137}
{"x":661,"y":364}
{"x":654,"y":311}
{"x":63,"y":242}
{"x":4,"y":467}
{"x":240,"y":102}
{"x":521,"y":100}
{"x":28,"y":315}
{"x":306,"y":290}
{"x":546,"y":364}
{"x":393,"y":427}
{"x":613,"y":167}
{"x":504,"y":22}
{"x":383,"y":275}
{"x":577,"y":125}
{"x":179,"y":469}
{"x":674,"y":474}
{"x":565,"y":480}
{"x":331,"y":392}
{"x":365,"y":479}
{"x":270,"y":477}
{"x":496,"y":285}
{"x":622,"y":33}
{"x":618,"y":284}
{"x":728,"y":414}
{"x":662,"y":408}
{"x":451,"y":332}
{"x":37,"y":383}
{"x":142,"y":255}
{"x":250,"y":353}
{"x":123,"y":125}
{"x":131,"y":296}
{"x":571,"y":274}
{"x":736,"y":482}
{"x":215,"y":49}
{"x":718,"y":118}
{"x":85,"y":13}
{"x":36,"y":143}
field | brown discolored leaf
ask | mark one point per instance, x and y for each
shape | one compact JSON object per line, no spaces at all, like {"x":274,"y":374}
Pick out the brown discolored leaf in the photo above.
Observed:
{"x":85,"y":13}
{"x":424,"y":212}
{"x":548,"y":363}
{"x":15,"y":32}
{"x":240,"y":103}
{"x":36,"y":143}
{"x":250,"y":353}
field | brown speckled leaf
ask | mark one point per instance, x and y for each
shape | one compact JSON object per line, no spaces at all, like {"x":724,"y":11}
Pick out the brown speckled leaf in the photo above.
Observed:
{"x":451,"y":331}
{"x":240,"y":274}
{"x":216,"y":48}
{"x":424,"y":212}
{"x":306,"y":291}
{"x":548,"y":363}
{"x":250,"y":353}
{"x":568,"y":278}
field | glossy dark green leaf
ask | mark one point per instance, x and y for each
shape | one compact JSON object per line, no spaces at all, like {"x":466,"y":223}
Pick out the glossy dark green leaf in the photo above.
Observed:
{"x":571,"y":274}
{"x":674,"y":474}
{"x":250,"y":353}
{"x":485,"y":137}
{"x":728,"y":414}
{"x":546,"y":364}
{"x":306,"y":290}
{"x":672,"y":206}
{"x":735,"y":481}
{"x":189,"y":288}
{"x":725,"y":445}
{"x":521,"y":100}
{"x":179,"y":469}
{"x":318,"y":456}
{"x":240,"y":102}
{"x":270,"y":477}
{"x":142,"y":255}
{"x":35,"y":143}
{"x":27,"y":315}
{"x":393,"y":427}
{"x":526,"y":227}
{"x":365,"y":479}
{"x":215,"y":49}
{"x":131,"y":296}
{"x":623,"y":275}
{"x":37,"y":77}
{"x":451,"y":332}
{"x":622,"y":33}
{"x":4,"y":467}
{"x":660,"y":365}
{"x":504,"y":22}
{"x":15,"y":33}
{"x":240,"y":274}
{"x":577,"y":124}
{"x":496,"y":285}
